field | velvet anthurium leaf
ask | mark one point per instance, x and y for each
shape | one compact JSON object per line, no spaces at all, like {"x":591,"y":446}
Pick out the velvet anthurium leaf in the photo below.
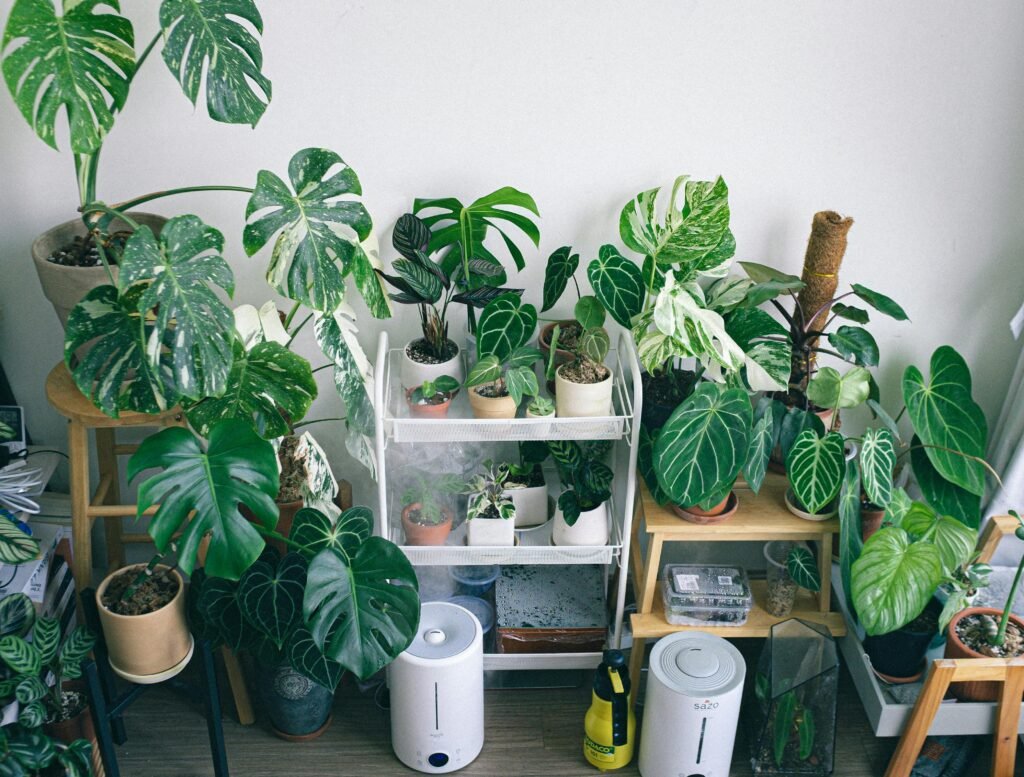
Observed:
{"x":794,"y":421}
{"x":560,"y":268}
{"x":315,"y":531}
{"x":521,"y":382}
{"x":618,"y":283}
{"x":105,"y":345}
{"x":506,"y":324}
{"x":815,"y":468}
{"x":880,"y":302}
{"x":206,"y":39}
{"x":803,"y":569}
{"x":17,"y":614}
{"x":948,"y":421}
{"x":16,"y":546}
{"x":237,"y":467}
{"x":877,"y":462}
{"x":221,"y":613}
{"x":855,"y":344}
{"x":946,"y":497}
{"x":178,"y":274}
{"x":759,"y":450}
{"x":307,"y":658}
{"x":362,"y":608}
{"x":850,"y":533}
{"x":319,"y":222}
{"x":21,"y":657}
{"x":704,"y":443}
{"x":268,"y":386}
{"x":271,"y":596}
{"x":893,"y":580}
{"x":82,"y":61}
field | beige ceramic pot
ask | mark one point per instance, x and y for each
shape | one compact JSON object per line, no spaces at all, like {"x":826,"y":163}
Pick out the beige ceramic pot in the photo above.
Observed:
{"x":582,"y":400}
{"x":149,"y":644}
{"x":491,"y":407}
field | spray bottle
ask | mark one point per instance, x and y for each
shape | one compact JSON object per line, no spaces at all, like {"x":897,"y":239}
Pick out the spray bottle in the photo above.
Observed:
{"x":610,"y":725}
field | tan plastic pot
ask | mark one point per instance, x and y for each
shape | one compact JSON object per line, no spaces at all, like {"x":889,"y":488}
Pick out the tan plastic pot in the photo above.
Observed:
{"x":491,"y":407}
{"x":955,"y":648}
{"x":64,"y":286}
{"x":582,"y":400}
{"x":146,"y":644}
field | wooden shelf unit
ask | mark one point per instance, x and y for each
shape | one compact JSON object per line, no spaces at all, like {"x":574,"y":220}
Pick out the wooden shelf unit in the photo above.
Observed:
{"x":760,"y":518}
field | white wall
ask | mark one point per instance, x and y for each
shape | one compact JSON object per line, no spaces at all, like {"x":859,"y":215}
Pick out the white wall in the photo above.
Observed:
{"x":907,"y":116}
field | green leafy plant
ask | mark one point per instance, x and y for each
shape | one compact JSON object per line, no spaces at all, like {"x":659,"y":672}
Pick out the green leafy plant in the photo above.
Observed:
{"x":586,"y":480}
{"x":792,"y":721}
{"x":803,"y":569}
{"x":961,"y":586}
{"x":487,"y":497}
{"x":16,"y":546}
{"x":560,"y":269}
{"x":6,"y":432}
{"x":30,"y":751}
{"x":506,"y":325}
{"x":541,"y":406}
{"x":996,"y":631}
{"x":429,"y":490}
{"x":434,"y":392}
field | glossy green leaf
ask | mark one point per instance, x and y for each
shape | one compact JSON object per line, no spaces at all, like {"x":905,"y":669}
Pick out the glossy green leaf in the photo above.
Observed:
{"x":877,"y":462}
{"x":320,"y":223}
{"x":645,"y":463}
{"x":410,"y":236}
{"x":20,"y":656}
{"x":17,"y":614}
{"x":893,"y":580}
{"x":271,"y":596}
{"x":307,"y":658}
{"x":560,"y":268}
{"x":880,"y":413}
{"x":815,"y":468}
{"x":505,"y":324}
{"x":954,"y":540}
{"x":850,"y":529}
{"x":82,"y":61}
{"x":855,"y":344}
{"x":850,"y":313}
{"x":618,"y":284}
{"x":486,"y":370}
{"x":520,"y":382}
{"x":237,"y":467}
{"x":762,"y":273}
{"x":782,"y":727}
{"x":76,"y":759}
{"x":946,"y":497}
{"x":221,"y":612}
{"x":727,"y":294}
{"x":703,"y":445}
{"x":746,"y":325}
{"x":803,"y":569}
{"x":805,"y":733}
{"x":897,"y":508}
{"x":589,"y":312}
{"x":205,"y":40}
{"x":46,"y":637}
{"x":595,"y":344}
{"x":315,"y":531}
{"x":75,"y":649}
{"x":880,"y":302}
{"x":795,"y":421}
{"x":759,"y":451}
{"x":16,"y":547}
{"x":829,"y":389}
{"x":945,"y":415}
{"x":29,"y":689}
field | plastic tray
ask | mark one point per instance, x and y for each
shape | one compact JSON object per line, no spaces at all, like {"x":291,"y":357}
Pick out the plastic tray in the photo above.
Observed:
{"x":694,"y":586}
{"x":702,"y":616}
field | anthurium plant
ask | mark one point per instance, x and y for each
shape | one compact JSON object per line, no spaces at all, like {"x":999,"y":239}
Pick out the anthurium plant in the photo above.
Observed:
{"x":503,"y":358}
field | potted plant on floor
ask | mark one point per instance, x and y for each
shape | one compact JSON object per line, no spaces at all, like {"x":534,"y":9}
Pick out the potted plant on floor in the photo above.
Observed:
{"x":581,"y":512}
{"x":503,"y":374}
{"x":426,"y":516}
{"x":433,"y":398}
{"x":526,"y":487}
{"x":560,"y":269}
{"x":490,"y":513}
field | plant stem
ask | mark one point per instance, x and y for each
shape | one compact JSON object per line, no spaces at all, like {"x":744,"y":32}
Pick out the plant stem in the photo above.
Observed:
{"x":577,"y":285}
{"x":291,"y":315}
{"x":145,"y":53}
{"x":1004,"y":621}
{"x":180,"y":190}
{"x":323,"y":367}
{"x":106,"y":262}
{"x":110,"y":210}
{"x":978,"y":459}
{"x":318,"y":421}
{"x":291,"y":335}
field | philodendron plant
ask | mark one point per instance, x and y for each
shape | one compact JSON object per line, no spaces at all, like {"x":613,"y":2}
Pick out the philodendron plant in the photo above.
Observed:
{"x":560,"y":269}
{"x":503,"y":358}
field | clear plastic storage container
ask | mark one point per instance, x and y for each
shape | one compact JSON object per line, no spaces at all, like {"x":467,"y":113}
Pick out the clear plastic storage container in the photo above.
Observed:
{"x":697,"y":595}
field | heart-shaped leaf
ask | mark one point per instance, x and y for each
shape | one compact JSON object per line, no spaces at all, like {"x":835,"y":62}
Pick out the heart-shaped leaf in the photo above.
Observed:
{"x":268,"y":386}
{"x":880,"y":302}
{"x":560,"y":268}
{"x":179,"y":272}
{"x":704,"y":443}
{"x":76,"y":758}
{"x":320,"y":223}
{"x":850,"y":529}
{"x":520,"y":382}
{"x":945,"y":415}
{"x":893,"y":580}
{"x":727,"y":294}
{"x":759,"y":451}
{"x":220,"y":611}
{"x":315,"y":532}
{"x":795,"y":421}
{"x":803,"y":569}
{"x":762,"y":273}
{"x":589,"y":312}
{"x":505,"y":324}
{"x":618,"y":283}
{"x":82,"y":61}
{"x":238,"y":467}
{"x":486,"y":370}
{"x":17,"y":614}
{"x":16,"y":547}
{"x":829,"y":389}
{"x":307,"y":658}
{"x":946,"y":497}
{"x":897,"y":508}
{"x":877,"y":462}
{"x":856,"y":344}
{"x":204,"y":39}
{"x":22,"y":657}
{"x":815,"y":468}
{"x":271,"y":596}
{"x":954,"y":540}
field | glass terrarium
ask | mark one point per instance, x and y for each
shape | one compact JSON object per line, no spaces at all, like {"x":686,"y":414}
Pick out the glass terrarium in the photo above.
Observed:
{"x":793,"y":722}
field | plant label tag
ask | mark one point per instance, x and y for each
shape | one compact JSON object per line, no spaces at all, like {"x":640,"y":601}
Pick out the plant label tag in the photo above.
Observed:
{"x":687,"y":583}
{"x":725,"y":579}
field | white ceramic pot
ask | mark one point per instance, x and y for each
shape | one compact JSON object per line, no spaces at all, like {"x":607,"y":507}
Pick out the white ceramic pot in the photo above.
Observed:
{"x":414,"y":373}
{"x":541,"y":431}
{"x":531,"y":505}
{"x":580,"y":400}
{"x":491,"y":532}
{"x":591,"y":528}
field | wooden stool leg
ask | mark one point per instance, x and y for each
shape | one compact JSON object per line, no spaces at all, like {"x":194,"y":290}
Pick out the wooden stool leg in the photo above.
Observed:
{"x":1005,"y":745}
{"x":107,"y":461}
{"x":81,"y":541}
{"x":921,"y":717}
{"x":236,"y":679}
{"x":636,"y":664}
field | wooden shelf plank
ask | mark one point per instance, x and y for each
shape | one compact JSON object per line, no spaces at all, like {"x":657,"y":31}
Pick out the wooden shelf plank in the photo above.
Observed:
{"x":653,"y":624}
{"x":761,"y":516}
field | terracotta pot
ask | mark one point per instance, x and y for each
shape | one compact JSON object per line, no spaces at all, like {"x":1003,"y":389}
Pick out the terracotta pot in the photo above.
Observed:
{"x":955,"y":648}
{"x":417,"y":410}
{"x":562,"y":356}
{"x":582,"y":400}
{"x":64,"y":286}
{"x":720,"y":512}
{"x":425,"y":533}
{"x":149,"y":644}
{"x":870,"y":522}
{"x":78,"y":727}
{"x":491,"y":407}
{"x":414,"y":373}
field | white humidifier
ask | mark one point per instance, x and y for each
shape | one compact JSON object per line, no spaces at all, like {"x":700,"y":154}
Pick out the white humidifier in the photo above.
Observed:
{"x":437,"y":692}
{"x":694,"y":689}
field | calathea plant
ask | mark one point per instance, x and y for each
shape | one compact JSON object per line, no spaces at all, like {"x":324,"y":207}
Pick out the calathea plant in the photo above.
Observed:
{"x":586,"y":481}
{"x":487,"y":495}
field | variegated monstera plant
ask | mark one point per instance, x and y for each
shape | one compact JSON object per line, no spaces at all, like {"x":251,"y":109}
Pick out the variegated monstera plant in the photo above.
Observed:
{"x":159,"y":334}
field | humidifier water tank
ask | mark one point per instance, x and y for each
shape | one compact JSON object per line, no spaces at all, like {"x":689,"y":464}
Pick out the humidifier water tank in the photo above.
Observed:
{"x":437,"y":692}
{"x":694,"y":688}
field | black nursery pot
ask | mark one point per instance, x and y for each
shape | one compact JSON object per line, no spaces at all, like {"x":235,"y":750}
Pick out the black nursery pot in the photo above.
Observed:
{"x":663,"y":394}
{"x":299,"y":709}
{"x":900,"y":653}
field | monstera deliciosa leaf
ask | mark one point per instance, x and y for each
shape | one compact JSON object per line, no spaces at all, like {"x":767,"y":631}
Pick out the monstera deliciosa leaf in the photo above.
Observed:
{"x":704,"y":443}
{"x":237,"y":467}
{"x":361,"y":602}
{"x":320,"y":225}
{"x":815,"y":468}
{"x":206,"y":38}
{"x":506,"y":324}
{"x":947,"y":419}
{"x":560,"y":268}
{"x":618,"y":283}
{"x":178,"y":273}
{"x":81,"y":60}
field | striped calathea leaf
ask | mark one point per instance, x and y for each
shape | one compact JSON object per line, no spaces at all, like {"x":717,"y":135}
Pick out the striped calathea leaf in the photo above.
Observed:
{"x":205,"y":39}
{"x":16,"y":546}
{"x":703,"y":445}
{"x":17,"y":615}
{"x":320,"y":225}
{"x":815,"y":467}
{"x":618,"y":284}
{"x":81,"y":60}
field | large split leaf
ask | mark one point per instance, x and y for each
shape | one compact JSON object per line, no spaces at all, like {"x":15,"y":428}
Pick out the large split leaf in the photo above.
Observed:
{"x":703,"y":445}
{"x":319,"y":222}
{"x":506,"y":324}
{"x":271,"y":596}
{"x":815,"y":468}
{"x":618,"y":283}
{"x":560,"y":267}
{"x":179,"y":272}
{"x":893,"y":580}
{"x":82,"y":61}
{"x":238,"y":467}
{"x":268,"y":386}
{"x":206,"y":38}
{"x":877,"y":462}
{"x":945,"y":415}
{"x":946,"y":497}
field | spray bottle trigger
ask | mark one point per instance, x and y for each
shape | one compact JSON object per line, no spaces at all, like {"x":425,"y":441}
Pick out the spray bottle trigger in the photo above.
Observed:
{"x":616,"y":681}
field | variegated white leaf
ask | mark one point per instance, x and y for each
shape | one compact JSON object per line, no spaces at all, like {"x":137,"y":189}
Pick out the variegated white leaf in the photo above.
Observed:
{"x":320,"y":487}
{"x":260,"y":326}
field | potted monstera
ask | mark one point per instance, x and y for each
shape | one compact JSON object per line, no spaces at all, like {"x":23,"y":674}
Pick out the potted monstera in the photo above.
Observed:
{"x":581,"y":512}
{"x":503,"y":373}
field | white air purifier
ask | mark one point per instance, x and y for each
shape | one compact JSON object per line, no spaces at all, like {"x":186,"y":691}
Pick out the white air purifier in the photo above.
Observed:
{"x":694,"y":689}
{"x":437,"y":692}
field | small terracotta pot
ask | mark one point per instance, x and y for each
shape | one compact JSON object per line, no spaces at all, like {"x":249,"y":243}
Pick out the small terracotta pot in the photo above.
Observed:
{"x":78,"y":727}
{"x":955,"y":648}
{"x":417,"y":410}
{"x":720,"y":512}
{"x":424,"y":533}
{"x":491,"y":407}
{"x":146,"y":644}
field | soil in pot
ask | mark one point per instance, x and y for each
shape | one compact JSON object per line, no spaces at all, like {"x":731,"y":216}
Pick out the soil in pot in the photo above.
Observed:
{"x":421,"y":352}
{"x":83,"y":252}
{"x":899,"y":653}
{"x":569,"y":333}
{"x":973,"y":630}
{"x":154,"y":593}
{"x":584,"y":371}
{"x":534,"y":479}
{"x":75,"y":722}
{"x":491,"y":391}
{"x":663,"y":394}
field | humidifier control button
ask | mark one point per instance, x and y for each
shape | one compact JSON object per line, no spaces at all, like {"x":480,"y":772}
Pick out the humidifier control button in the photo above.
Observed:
{"x":434,"y":637}
{"x":437,"y":760}
{"x":698,"y":663}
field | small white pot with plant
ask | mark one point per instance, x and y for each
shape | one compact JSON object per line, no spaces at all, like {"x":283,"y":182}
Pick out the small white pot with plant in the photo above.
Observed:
{"x":490,"y":514}
{"x":526,"y":487}
{"x":581,"y":515}
{"x":583,"y":387}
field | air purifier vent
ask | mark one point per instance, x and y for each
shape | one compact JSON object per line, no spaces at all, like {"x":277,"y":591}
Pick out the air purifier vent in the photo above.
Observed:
{"x":698,"y":665}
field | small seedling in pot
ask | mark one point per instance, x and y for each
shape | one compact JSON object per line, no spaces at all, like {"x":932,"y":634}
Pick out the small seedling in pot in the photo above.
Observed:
{"x":793,"y":722}
{"x":800,"y":571}
{"x":962,"y":586}
{"x":434,"y":392}
{"x":541,"y":407}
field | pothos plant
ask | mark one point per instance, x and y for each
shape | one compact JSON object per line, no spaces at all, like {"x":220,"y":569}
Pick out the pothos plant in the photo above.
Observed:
{"x":503,"y":358}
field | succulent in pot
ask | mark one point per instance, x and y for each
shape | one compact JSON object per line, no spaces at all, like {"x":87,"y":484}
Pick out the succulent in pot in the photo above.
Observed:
{"x":490,"y":512}
{"x":433,"y":398}
{"x":581,"y":513}
{"x":540,"y":407}
{"x":503,"y":373}
{"x":426,"y":514}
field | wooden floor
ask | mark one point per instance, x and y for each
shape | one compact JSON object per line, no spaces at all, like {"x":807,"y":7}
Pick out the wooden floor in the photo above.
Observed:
{"x":530,"y":733}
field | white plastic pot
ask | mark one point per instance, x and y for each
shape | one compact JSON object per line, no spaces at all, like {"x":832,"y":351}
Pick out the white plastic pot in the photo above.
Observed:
{"x":591,"y":528}
{"x":580,"y":400}
{"x":414,"y":373}
{"x":493,"y":532}
{"x":531,"y":505}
